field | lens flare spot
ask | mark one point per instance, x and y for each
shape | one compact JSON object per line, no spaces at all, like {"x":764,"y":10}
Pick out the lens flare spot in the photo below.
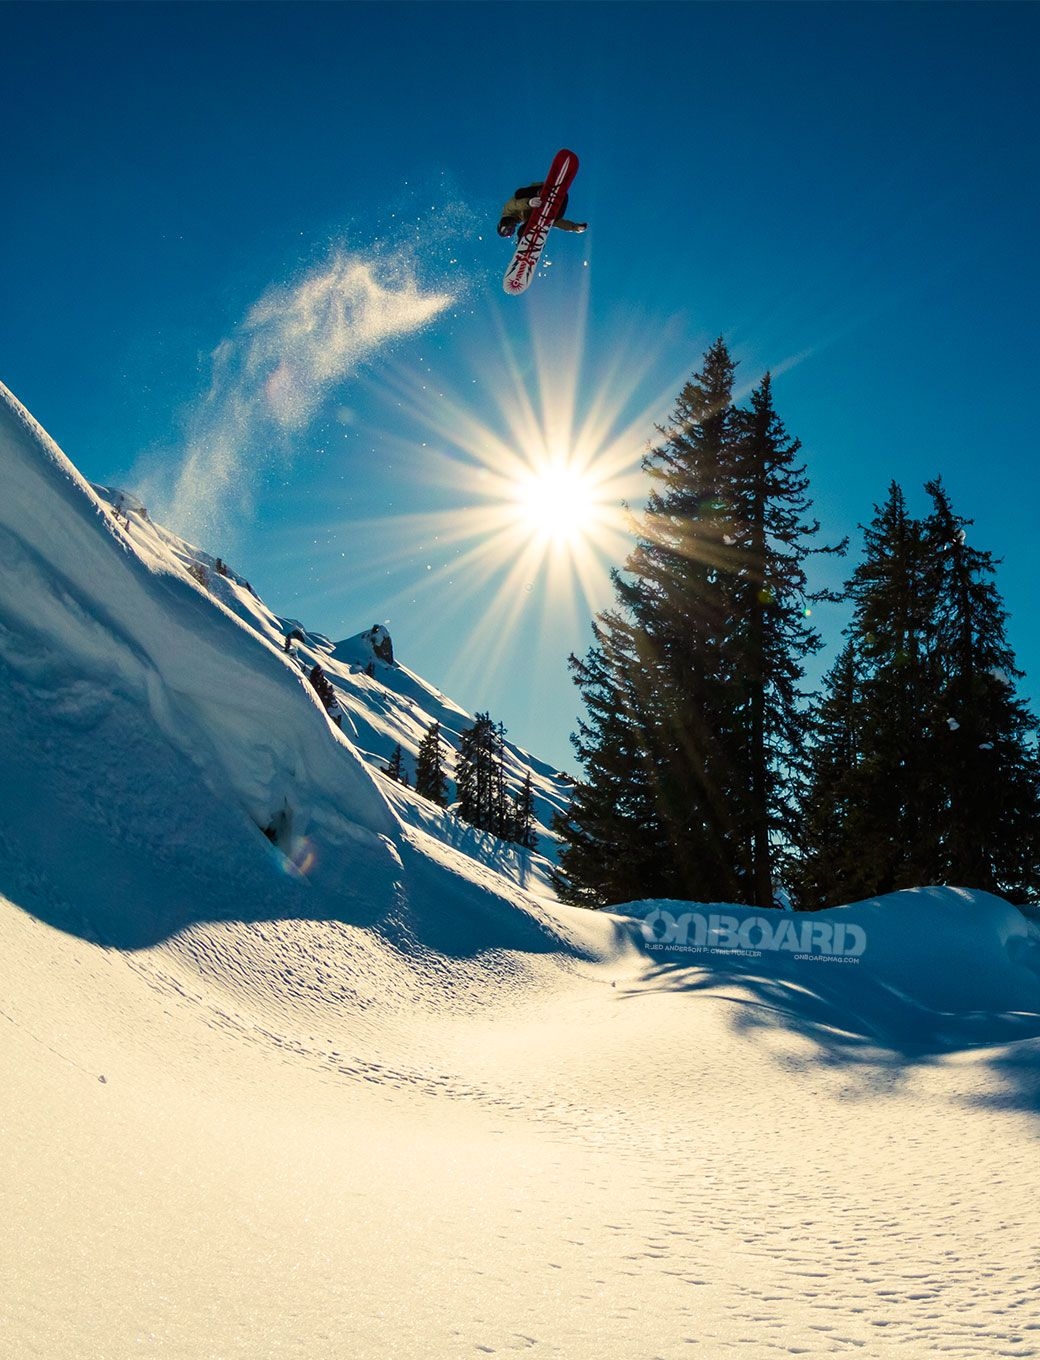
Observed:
{"x":300,"y":860}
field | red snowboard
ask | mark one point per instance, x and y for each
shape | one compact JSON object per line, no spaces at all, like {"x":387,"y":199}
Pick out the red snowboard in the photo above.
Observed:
{"x":537,"y":227}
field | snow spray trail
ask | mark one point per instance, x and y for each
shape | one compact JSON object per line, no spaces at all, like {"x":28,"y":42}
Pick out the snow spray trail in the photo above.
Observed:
{"x":271,"y":376}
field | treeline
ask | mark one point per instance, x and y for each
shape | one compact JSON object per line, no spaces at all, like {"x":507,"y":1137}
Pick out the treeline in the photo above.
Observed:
{"x":711,"y":773}
{"x":483,"y":796}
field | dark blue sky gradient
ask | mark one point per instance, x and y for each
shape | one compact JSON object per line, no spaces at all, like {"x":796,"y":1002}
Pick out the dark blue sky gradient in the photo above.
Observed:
{"x":848,"y":193}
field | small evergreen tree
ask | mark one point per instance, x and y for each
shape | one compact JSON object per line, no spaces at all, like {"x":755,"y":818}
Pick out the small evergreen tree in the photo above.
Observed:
{"x":430,"y":780}
{"x":395,"y":765}
{"x":326,"y":694}
{"x":523,"y":832}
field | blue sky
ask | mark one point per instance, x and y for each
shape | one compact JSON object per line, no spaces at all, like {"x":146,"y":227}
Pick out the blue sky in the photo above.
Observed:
{"x":847,"y":193}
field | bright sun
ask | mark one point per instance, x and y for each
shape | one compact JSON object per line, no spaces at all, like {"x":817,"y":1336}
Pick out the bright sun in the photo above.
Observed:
{"x":535,"y":469}
{"x":557,"y":501}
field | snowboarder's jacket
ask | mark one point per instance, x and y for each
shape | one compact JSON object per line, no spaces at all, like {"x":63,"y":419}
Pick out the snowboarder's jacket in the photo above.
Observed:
{"x":518,"y":208}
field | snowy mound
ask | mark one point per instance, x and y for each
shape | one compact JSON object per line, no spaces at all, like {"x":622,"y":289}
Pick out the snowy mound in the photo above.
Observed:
{"x":930,"y":969}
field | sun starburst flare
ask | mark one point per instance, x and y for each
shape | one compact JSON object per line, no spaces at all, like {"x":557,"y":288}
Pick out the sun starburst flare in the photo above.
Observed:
{"x":532,"y":467}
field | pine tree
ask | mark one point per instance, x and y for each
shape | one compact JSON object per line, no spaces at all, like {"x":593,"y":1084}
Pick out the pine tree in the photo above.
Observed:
{"x":924,"y":766}
{"x":892,"y":616}
{"x":522,"y":830}
{"x":430,"y":780}
{"x":886,"y":822}
{"x":771,"y":636}
{"x":831,"y":866}
{"x":666,"y":661}
{"x":985,"y":784}
{"x":480,"y":777}
{"x":692,"y":685}
{"x":615,"y":849}
{"x":327,"y":695}
{"x":395,"y":765}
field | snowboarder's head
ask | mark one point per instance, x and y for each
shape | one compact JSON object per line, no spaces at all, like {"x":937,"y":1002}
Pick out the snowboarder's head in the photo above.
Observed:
{"x":507,"y":226}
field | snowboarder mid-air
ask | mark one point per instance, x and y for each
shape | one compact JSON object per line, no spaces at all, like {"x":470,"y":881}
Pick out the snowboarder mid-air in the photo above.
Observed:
{"x":536,"y":209}
{"x":519,"y":208}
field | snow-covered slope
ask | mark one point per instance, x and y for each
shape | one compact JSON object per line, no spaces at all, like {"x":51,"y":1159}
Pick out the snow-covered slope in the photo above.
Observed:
{"x":151,"y":710}
{"x":384,"y":703}
{"x":361,"y":1093}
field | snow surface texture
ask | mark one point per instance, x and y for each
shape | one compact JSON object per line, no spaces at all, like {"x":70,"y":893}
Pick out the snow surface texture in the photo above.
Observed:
{"x":362,"y":1093}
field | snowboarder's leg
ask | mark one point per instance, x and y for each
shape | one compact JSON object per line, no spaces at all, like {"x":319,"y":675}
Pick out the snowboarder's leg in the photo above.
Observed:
{"x":562,"y":222}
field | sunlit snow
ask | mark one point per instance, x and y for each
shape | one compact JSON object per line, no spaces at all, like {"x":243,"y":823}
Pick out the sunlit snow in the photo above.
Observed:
{"x":361,"y":1087}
